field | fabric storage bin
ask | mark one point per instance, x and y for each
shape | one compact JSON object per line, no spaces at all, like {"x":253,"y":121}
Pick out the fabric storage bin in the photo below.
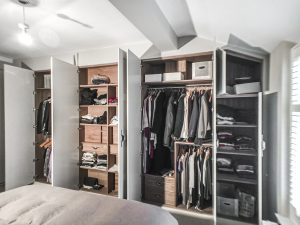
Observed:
{"x":202,"y":70}
{"x":153,"y":77}
{"x":173,"y":76}
{"x":246,"y":205}
{"x":228,"y":206}
{"x":246,"y":88}
{"x":47,"y":81}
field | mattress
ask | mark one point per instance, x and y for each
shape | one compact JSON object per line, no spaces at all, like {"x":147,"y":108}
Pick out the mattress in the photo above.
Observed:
{"x":43,"y":204}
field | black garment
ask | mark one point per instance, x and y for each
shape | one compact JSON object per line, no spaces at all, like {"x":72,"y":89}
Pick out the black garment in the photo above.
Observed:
{"x":162,"y":159}
{"x":193,"y":125}
{"x":179,"y":117}
{"x":87,"y":96}
{"x":44,"y":118}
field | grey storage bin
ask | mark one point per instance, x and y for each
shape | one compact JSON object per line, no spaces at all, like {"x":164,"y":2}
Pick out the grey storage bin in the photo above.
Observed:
{"x":202,"y":70}
{"x":246,"y":205}
{"x":153,"y":77}
{"x":247,"y":88}
{"x":228,"y":206}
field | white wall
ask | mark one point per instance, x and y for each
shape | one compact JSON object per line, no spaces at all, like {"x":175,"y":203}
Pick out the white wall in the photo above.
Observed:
{"x":280,"y":62}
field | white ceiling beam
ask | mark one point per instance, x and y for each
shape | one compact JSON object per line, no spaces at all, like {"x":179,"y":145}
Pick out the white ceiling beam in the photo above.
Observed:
{"x":146,"y":16}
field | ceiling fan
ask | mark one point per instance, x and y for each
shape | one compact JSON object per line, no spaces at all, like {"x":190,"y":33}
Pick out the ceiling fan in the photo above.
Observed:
{"x":35,"y":3}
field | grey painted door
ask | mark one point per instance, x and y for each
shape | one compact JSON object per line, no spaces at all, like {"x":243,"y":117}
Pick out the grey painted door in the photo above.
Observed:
{"x":19,"y":126}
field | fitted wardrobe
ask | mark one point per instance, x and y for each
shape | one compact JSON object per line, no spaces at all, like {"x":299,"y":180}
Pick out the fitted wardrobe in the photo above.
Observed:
{"x":50,"y":140}
{"x":225,"y":159}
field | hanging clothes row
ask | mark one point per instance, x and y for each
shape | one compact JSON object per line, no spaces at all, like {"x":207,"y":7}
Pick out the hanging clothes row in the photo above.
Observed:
{"x":47,"y":169}
{"x":44,"y":117}
{"x":194,"y":176}
{"x":174,"y":114}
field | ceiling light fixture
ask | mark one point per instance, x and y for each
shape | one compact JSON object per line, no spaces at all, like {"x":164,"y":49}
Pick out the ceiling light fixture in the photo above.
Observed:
{"x":24,"y":37}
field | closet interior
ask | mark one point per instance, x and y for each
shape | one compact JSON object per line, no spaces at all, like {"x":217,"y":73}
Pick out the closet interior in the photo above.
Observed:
{"x":238,"y":129}
{"x":98,"y":136}
{"x":177,"y":129}
{"x":42,"y":125}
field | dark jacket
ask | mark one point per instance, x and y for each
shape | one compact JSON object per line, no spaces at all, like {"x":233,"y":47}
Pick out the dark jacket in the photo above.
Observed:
{"x":179,"y":117}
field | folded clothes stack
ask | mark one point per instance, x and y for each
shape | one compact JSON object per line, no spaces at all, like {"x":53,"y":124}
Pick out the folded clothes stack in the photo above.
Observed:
{"x":226,"y":141}
{"x":101,"y":162}
{"x":243,"y":143}
{"x":100,"y":79}
{"x":225,"y":165}
{"x":89,"y":119}
{"x":88,"y":159}
{"x":245,"y":170}
{"x":101,"y":100}
{"x":225,"y":115}
{"x":112,"y":100}
{"x":87,"y":96}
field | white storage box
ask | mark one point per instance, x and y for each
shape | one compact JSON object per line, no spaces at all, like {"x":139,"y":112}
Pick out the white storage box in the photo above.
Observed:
{"x":228,"y":206}
{"x":153,"y":77}
{"x":202,"y":70}
{"x":47,"y":81}
{"x":173,"y":76}
{"x":246,"y":88}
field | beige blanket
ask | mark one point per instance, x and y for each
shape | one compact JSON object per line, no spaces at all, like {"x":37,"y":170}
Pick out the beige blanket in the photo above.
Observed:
{"x":43,"y":204}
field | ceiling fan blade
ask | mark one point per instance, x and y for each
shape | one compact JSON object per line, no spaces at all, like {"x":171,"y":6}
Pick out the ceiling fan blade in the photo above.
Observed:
{"x":66,"y":17}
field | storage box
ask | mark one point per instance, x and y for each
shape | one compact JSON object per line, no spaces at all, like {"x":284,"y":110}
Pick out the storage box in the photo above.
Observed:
{"x":173,"y":76}
{"x":228,"y":206}
{"x":246,"y":88}
{"x":202,"y":70}
{"x":153,"y":77}
{"x":47,"y":81}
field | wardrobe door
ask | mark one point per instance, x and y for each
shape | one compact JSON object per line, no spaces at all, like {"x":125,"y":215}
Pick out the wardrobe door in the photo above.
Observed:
{"x":65,"y":123}
{"x":122,"y":116}
{"x":260,"y":149}
{"x":221,"y":71}
{"x":133,"y":127}
{"x":19,"y":126}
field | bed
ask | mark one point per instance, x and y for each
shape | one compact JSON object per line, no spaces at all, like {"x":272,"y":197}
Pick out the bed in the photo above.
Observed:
{"x":43,"y":204}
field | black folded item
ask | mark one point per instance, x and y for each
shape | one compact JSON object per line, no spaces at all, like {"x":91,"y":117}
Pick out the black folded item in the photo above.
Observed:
{"x":243,"y":139}
{"x":87,"y":96}
{"x":102,"y":96}
{"x":243,"y":80}
{"x":86,"y":121}
{"x":225,"y":170}
{"x":100,"y":79}
{"x":90,"y":181}
{"x":226,"y":111}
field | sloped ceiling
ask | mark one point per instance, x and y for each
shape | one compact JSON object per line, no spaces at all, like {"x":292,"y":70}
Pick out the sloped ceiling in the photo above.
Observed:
{"x":262,"y":23}
{"x":55,"y":35}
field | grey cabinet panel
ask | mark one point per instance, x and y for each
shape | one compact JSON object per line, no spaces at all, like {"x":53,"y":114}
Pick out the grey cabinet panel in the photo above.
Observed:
{"x":65,"y":123}
{"x":19,"y":126}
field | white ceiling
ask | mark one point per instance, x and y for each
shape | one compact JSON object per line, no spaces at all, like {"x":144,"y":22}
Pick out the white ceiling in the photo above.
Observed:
{"x":262,"y":23}
{"x":56,"y":35}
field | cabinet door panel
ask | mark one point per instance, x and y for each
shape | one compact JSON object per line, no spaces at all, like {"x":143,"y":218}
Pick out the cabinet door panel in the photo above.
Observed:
{"x":133,"y":127}
{"x":122,"y":116}
{"x":65,"y":123}
{"x":19,"y":126}
{"x":221,"y":71}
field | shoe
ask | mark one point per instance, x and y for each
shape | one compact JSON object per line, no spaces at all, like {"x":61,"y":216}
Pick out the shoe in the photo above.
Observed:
{"x":102,"y":101}
{"x":113,"y":169}
{"x":114,"y":121}
{"x":102,"y":119}
{"x":87,"y":119}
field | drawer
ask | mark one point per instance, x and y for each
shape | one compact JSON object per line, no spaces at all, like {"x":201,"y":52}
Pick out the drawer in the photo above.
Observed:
{"x":94,"y":147}
{"x":93,"y":134}
{"x":114,"y":149}
{"x":154,"y":181}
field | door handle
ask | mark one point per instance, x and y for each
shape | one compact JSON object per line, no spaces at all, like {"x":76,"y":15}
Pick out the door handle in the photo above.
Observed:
{"x":122,"y":138}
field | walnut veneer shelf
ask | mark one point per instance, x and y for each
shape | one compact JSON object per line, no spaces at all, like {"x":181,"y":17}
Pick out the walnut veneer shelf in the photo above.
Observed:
{"x":179,"y":82}
{"x":91,"y":168}
{"x":97,"y":85}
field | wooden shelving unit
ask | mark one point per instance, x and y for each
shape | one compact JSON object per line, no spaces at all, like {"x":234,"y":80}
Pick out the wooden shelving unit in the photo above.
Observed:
{"x":100,"y":138}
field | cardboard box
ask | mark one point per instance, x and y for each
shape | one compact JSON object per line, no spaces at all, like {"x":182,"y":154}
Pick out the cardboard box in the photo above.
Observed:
{"x":247,"y":88}
{"x":173,"y":76}
{"x":153,"y":77}
{"x":202,"y":70}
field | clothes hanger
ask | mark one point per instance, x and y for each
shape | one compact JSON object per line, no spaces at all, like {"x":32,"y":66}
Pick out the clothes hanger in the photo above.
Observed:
{"x":45,"y":142}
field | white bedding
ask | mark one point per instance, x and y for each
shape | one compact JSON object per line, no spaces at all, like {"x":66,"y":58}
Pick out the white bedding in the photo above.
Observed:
{"x":43,"y":204}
